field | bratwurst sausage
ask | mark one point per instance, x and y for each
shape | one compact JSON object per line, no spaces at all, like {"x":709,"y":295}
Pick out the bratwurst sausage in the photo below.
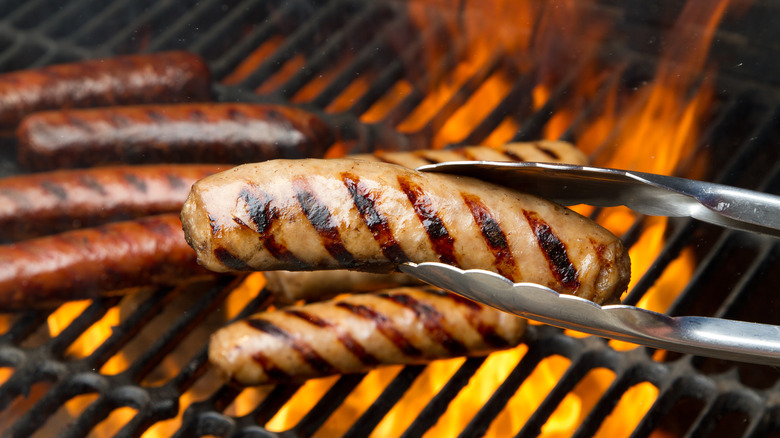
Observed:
{"x":290,"y":286}
{"x":352,"y":214}
{"x":164,"y":77}
{"x":358,"y":333}
{"x":46,"y":203}
{"x":186,"y":133}
{"x":543,"y":150}
{"x":90,"y":262}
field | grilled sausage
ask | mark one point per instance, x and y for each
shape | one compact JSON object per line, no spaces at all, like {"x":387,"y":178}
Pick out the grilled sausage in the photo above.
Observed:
{"x":187,"y":133}
{"x":358,"y":333}
{"x":291,"y":286}
{"x":352,"y":214}
{"x":543,"y":150}
{"x":87,"y":263}
{"x":134,"y":79}
{"x":47,"y":203}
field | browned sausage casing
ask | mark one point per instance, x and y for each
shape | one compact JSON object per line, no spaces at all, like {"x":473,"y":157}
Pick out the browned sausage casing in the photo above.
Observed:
{"x":47,"y":203}
{"x":358,"y":333}
{"x":290,"y":286}
{"x":352,"y":214}
{"x":543,"y":150}
{"x":164,"y":77}
{"x":186,"y":133}
{"x":86,"y":263}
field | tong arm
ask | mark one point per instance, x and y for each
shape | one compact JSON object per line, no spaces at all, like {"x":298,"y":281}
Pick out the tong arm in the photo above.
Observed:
{"x":712,"y":337}
{"x":655,"y":195}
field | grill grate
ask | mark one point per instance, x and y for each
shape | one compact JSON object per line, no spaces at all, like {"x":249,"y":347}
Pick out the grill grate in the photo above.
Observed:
{"x":342,"y":40}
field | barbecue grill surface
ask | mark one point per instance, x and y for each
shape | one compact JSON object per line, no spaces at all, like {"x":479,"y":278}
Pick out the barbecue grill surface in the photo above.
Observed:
{"x":327,"y":45}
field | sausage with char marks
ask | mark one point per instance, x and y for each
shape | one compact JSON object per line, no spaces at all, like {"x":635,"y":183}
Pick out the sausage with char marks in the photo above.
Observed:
{"x":88,"y":263}
{"x":352,"y":214}
{"x":225,"y":133}
{"x":46,"y":203}
{"x":358,"y":333}
{"x":291,"y":286}
{"x":165,"y":77}
{"x":543,"y":150}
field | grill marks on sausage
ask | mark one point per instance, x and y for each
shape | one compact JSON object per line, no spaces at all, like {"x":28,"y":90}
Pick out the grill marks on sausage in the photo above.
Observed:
{"x":93,"y":184}
{"x":303,"y":349}
{"x":486,"y":331}
{"x":226,"y":258}
{"x":197,"y":115}
{"x":513,"y":156}
{"x":442,"y":242}
{"x":554,"y":251}
{"x":119,"y":120}
{"x":156,"y":116}
{"x":263,"y":214}
{"x":318,"y":215}
{"x":270,"y":368}
{"x":350,"y":343}
{"x":260,"y":211}
{"x":421,"y":155}
{"x":237,"y":116}
{"x":174,"y":181}
{"x":547,"y":151}
{"x":79,"y":123}
{"x":431,"y":320}
{"x":494,"y":236}
{"x":55,"y":189}
{"x":365,"y":202}
{"x":384,"y":325}
{"x":134,"y":181}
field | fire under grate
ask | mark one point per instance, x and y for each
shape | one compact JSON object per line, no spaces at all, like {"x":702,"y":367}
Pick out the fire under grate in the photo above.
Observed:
{"x":314,"y":53}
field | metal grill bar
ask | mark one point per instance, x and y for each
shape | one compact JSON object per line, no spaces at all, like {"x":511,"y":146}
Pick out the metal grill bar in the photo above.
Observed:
{"x":327,"y":404}
{"x":375,"y":51}
{"x":333,"y":49}
{"x":329,"y":17}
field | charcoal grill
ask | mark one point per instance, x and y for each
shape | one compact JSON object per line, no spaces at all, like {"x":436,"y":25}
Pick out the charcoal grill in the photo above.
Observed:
{"x":342,"y":58}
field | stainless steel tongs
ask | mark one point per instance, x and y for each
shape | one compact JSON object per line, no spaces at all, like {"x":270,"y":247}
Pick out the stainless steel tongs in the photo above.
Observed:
{"x":645,"y":193}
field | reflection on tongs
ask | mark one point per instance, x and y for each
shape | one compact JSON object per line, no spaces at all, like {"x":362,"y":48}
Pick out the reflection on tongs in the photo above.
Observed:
{"x":650,"y":194}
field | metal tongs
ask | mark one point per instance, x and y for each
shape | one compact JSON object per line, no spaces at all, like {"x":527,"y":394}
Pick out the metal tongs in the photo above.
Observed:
{"x":650,"y":194}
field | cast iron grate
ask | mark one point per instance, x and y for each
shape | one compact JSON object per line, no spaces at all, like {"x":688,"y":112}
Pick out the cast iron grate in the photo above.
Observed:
{"x":341,"y":40}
